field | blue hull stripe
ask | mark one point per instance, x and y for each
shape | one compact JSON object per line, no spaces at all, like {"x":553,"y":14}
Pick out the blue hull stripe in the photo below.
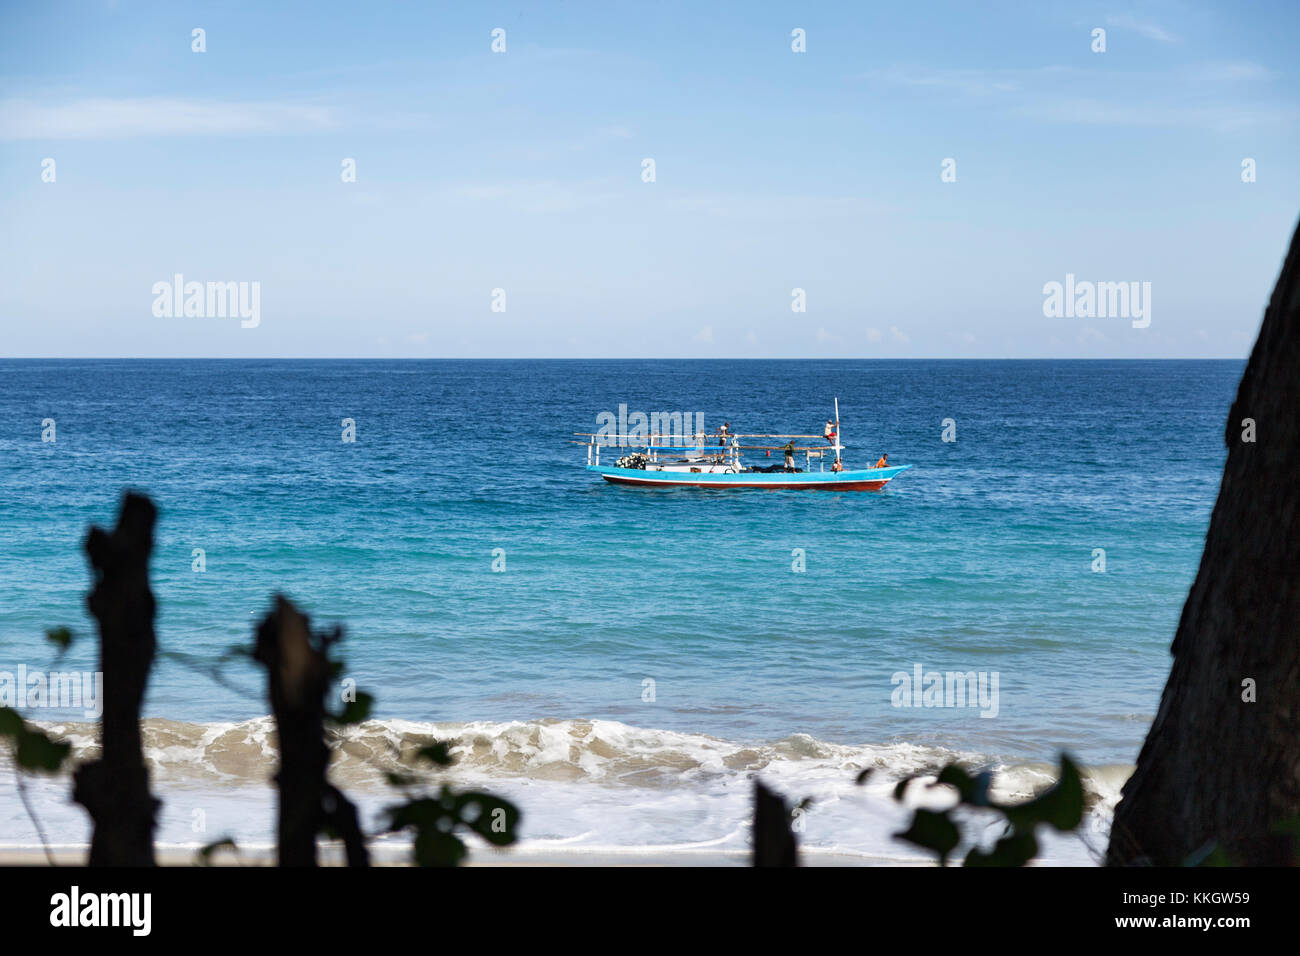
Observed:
{"x":750,"y":477}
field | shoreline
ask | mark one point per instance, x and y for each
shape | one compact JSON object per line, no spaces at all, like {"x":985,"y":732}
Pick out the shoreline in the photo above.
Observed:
{"x":74,"y":856}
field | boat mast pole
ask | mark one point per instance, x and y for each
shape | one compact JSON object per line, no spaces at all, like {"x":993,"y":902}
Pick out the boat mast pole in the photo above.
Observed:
{"x":838,"y":446}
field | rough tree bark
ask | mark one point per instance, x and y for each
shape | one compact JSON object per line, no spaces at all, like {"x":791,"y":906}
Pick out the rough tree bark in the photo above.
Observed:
{"x":298,"y":678}
{"x":115,"y":788}
{"x":1218,"y":768}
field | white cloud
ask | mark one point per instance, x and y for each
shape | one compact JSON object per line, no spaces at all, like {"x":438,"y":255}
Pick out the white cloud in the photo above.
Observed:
{"x":536,"y":197}
{"x":481,"y":192}
{"x":873,"y":335}
{"x":1049,"y":93}
{"x":1243,"y":70}
{"x":1100,"y":113}
{"x":106,"y":118}
{"x":773,"y":207}
{"x":969,"y":82}
{"x":897,"y":335}
{"x":704,"y":335}
{"x":1147,"y":28}
{"x":602,"y":137}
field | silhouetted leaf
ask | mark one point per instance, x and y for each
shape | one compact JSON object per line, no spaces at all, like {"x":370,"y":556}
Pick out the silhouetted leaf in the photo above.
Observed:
{"x":972,"y":790}
{"x":932,"y":830}
{"x":420,"y":812}
{"x":35,"y":751}
{"x":1014,"y":850}
{"x":438,"y":753}
{"x":355,"y":711}
{"x":61,"y":637}
{"x":435,"y":848}
{"x":492,"y":818}
{"x":11,"y":723}
{"x":205,"y":854}
{"x":900,"y":788}
{"x":1060,"y":806}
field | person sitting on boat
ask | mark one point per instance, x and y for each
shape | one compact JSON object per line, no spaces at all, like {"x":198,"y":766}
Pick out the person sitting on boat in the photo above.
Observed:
{"x":838,"y":466}
{"x":789,"y":456}
{"x":829,"y":432}
{"x":883,"y":463}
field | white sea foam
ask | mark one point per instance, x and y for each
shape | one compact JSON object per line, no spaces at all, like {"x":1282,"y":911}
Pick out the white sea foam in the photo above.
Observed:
{"x":585,"y":786}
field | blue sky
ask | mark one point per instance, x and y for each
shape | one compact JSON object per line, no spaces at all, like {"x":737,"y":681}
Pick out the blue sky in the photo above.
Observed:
{"x":522,"y":171}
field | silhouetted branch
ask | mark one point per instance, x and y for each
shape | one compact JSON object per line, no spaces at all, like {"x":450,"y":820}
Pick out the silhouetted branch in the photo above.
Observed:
{"x":115,"y":789}
{"x":774,"y":842}
{"x":298,"y":678}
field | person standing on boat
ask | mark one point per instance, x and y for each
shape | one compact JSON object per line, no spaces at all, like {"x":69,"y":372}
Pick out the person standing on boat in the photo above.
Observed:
{"x":829,"y":432}
{"x":724,"y":433}
{"x":789,"y":456}
{"x":883,"y":463}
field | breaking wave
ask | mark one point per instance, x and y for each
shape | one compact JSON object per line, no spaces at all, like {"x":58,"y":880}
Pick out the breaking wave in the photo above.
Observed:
{"x":596,"y":751}
{"x":586,"y":786}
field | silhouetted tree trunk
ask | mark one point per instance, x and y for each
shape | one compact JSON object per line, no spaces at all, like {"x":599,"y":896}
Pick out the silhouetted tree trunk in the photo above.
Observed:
{"x":774,"y":843}
{"x":115,"y":788}
{"x":298,"y":678}
{"x":1216,"y":767}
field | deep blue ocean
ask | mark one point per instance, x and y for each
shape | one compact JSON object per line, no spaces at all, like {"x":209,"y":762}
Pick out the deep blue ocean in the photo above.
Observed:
{"x":980,"y":558}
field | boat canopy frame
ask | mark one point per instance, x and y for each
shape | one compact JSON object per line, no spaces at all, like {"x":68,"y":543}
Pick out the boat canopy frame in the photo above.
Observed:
{"x":726,"y":451}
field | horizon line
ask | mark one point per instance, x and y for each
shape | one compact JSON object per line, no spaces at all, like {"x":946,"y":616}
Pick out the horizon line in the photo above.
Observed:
{"x":610,"y":358}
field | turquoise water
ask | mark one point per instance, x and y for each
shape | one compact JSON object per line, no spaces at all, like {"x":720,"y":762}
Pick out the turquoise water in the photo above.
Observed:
{"x":977,"y":559}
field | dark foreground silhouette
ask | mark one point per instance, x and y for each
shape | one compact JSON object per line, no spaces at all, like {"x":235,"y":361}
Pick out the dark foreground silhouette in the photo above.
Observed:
{"x":1219,"y":773}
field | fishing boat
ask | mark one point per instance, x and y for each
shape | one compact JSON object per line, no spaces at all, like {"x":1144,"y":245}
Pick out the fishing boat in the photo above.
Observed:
{"x":666,"y":461}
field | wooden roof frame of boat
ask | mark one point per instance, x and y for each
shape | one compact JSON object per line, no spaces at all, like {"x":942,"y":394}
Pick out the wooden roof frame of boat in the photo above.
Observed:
{"x":732,"y":447}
